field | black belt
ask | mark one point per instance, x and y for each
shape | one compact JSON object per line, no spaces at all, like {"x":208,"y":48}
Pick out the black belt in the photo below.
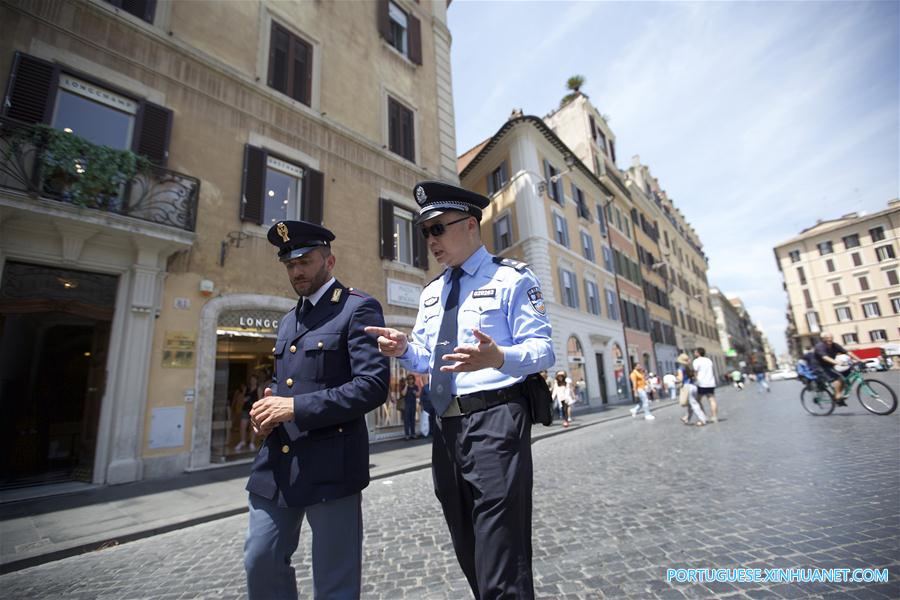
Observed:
{"x":478,"y":401}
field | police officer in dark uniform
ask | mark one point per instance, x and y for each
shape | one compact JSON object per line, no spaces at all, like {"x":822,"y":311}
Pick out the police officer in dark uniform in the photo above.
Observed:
{"x":481,"y":329}
{"x":315,"y":460}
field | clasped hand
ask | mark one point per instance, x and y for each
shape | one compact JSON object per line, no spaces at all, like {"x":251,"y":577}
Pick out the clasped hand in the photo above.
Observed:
{"x":267,"y":412}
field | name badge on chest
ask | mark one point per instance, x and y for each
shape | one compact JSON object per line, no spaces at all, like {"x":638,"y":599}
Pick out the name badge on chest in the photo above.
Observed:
{"x":484,"y":293}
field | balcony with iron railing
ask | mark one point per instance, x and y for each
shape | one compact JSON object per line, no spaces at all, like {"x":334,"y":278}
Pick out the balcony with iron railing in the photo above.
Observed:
{"x":38,"y":161}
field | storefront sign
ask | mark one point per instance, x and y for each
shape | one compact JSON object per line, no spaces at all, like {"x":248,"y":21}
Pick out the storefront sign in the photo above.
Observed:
{"x":178,"y":350}
{"x":250,"y":322}
{"x":88,"y":90}
{"x":402,"y":293}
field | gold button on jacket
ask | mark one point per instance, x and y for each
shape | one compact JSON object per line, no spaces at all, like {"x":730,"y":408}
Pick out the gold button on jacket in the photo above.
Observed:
{"x":293,"y":349}
{"x":285,"y":449}
{"x":289,"y":382}
{"x":321,"y":345}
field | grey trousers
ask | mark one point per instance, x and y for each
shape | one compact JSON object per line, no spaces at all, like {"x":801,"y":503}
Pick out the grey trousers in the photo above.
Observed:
{"x":273,"y":534}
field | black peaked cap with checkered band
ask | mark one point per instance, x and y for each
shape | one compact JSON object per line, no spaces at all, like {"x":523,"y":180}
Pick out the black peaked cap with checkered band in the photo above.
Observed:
{"x":296,"y":238}
{"x":435,"y":198}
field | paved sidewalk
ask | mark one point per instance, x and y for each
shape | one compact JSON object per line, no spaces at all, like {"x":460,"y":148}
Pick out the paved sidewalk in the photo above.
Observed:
{"x":42,"y":530}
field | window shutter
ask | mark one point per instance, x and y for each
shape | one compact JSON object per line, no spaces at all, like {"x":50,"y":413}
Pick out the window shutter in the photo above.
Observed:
{"x":562,"y":286}
{"x":154,"y":129}
{"x":253,"y":187}
{"x":490,"y":184}
{"x":313,"y":203}
{"x":593,"y":127}
{"x":420,"y":249}
{"x":575,"y":291}
{"x":415,"y":40}
{"x":386,"y":210}
{"x":560,"y":196}
{"x":409,"y":134}
{"x":547,"y":175}
{"x":31,"y":89}
{"x":612,"y":151}
{"x":393,"y":126}
{"x":504,"y":173}
{"x":384,"y":22}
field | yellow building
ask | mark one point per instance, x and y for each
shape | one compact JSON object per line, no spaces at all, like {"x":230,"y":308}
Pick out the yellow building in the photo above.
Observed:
{"x":546,"y":211}
{"x":841,"y":276}
{"x":146,"y":290}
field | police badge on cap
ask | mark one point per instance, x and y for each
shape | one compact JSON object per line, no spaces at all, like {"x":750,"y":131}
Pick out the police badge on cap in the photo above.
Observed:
{"x":295,"y":238}
{"x":435,"y":198}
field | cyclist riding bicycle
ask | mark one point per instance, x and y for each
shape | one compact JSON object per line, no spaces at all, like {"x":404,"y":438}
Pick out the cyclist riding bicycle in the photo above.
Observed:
{"x":828,"y":365}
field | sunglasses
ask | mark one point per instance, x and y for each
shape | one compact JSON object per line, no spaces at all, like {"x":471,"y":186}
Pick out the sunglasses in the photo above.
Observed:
{"x":438,"y":229}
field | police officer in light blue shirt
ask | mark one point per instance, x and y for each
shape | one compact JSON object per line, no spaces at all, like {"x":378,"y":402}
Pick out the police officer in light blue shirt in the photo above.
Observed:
{"x":481,"y":329}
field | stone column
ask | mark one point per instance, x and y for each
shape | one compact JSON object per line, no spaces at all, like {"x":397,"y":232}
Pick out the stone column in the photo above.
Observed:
{"x":130,"y":394}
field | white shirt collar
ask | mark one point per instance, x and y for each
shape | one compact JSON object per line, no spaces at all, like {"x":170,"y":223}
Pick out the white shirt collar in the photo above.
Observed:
{"x":317,"y":295}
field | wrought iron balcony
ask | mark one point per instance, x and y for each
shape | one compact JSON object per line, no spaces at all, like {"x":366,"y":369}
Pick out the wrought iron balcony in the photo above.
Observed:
{"x":43,"y":162}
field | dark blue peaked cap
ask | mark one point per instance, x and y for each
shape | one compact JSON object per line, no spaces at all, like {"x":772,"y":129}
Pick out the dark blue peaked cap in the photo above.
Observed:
{"x":435,"y":198}
{"x":296,"y":238}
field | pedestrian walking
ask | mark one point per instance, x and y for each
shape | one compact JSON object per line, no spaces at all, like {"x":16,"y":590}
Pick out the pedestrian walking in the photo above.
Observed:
{"x":563,"y":396}
{"x":688,"y":393}
{"x":315,"y":458}
{"x":410,"y":395}
{"x":247,"y":442}
{"x":737,"y":378}
{"x":706,"y":382}
{"x":670,"y":381}
{"x":762,"y":386}
{"x":481,"y":329}
{"x":639,"y":385}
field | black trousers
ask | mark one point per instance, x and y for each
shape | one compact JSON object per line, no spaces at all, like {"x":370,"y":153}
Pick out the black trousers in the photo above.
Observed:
{"x":482,"y":469}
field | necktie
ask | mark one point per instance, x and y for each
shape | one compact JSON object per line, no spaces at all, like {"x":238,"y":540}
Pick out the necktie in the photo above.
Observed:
{"x":446,"y":342}
{"x":304,"y":310}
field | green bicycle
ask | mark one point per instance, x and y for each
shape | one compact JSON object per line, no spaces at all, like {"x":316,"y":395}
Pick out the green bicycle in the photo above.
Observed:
{"x":817,"y":397}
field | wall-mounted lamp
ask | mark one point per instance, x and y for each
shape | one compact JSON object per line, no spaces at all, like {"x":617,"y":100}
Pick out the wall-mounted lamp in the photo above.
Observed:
{"x":571,"y":161}
{"x":570,"y":164}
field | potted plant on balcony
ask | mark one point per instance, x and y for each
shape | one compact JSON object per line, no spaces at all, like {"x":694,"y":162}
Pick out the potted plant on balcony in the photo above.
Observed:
{"x":84,"y":173}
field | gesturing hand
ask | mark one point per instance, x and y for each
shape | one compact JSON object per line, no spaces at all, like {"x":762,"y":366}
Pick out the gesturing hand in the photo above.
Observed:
{"x":391,"y":342}
{"x":267,"y":412}
{"x":486,"y":355}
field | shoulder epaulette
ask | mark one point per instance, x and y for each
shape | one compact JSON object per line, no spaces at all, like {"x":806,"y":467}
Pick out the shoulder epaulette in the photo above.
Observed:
{"x":357,"y":292}
{"x":508,"y":262}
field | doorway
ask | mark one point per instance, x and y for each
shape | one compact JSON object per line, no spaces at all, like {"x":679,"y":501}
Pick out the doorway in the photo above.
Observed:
{"x":54,"y":341}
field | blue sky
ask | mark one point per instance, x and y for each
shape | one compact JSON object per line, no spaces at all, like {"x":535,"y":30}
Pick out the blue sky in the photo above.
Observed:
{"x":757,"y":118}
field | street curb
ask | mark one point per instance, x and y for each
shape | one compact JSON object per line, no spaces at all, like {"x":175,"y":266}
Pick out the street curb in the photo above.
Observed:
{"x":95,"y":546}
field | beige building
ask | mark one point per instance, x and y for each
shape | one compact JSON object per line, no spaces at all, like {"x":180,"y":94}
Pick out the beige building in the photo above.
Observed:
{"x":545,"y":211}
{"x":136,"y":298}
{"x":583,"y":129}
{"x":841,"y":276}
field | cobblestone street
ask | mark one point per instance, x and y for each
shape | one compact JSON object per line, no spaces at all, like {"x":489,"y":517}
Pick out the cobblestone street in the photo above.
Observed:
{"x":615,"y":505}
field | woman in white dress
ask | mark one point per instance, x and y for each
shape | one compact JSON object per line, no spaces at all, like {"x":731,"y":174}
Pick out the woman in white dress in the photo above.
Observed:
{"x":563,"y":396}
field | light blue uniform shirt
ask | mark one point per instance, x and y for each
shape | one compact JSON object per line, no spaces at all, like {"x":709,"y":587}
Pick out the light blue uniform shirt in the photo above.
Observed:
{"x":500,"y":301}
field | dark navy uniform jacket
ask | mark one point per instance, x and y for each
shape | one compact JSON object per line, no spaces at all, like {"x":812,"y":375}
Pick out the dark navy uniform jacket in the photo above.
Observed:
{"x":335,"y":373}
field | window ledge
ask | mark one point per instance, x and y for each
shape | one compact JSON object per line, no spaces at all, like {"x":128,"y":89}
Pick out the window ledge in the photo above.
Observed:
{"x":399,"y":55}
{"x":399,"y":267}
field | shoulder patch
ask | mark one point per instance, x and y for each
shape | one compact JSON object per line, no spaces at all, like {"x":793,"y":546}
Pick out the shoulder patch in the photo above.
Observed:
{"x":508,"y":262}
{"x":536,"y":297}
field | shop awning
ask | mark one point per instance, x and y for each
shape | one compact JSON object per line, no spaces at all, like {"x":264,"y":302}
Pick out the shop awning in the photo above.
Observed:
{"x":865,"y":353}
